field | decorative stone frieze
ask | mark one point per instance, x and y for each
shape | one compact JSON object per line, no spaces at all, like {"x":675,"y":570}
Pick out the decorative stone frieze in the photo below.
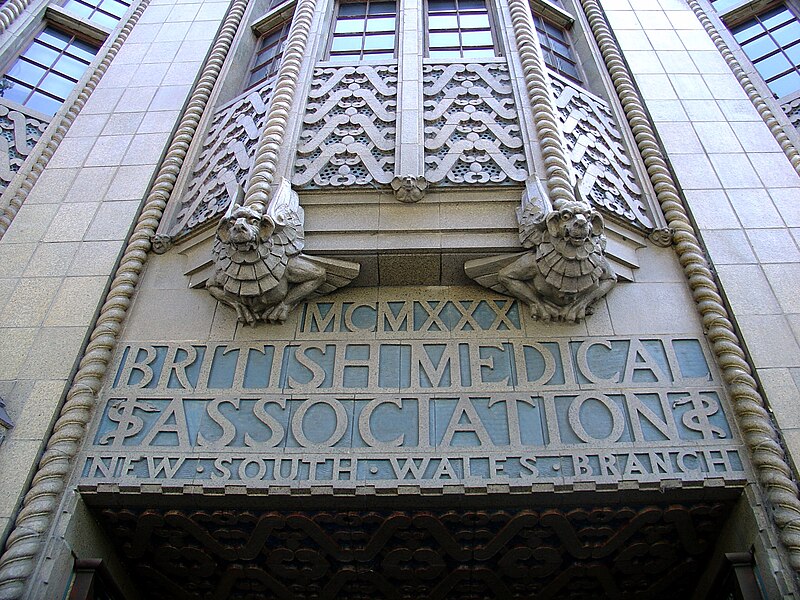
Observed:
{"x":348,"y":136}
{"x":20,"y":129}
{"x":472,"y":132}
{"x":598,"y":156}
{"x":260,"y":269}
{"x":224,"y":162}
{"x":564,"y":273}
{"x":792,"y":110}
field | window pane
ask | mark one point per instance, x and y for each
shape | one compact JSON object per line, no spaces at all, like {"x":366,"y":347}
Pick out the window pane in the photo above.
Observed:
{"x":747,"y":31}
{"x":759,"y":47}
{"x":16,"y":93}
{"x":442,"y":40}
{"x":773,"y":65}
{"x":352,"y":8}
{"x":477,"y":38}
{"x":57,"y":85}
{"x":445,"y":53}
{"x":82,"y":50}
{"x":443,"y":22}
{"x":794,"y":54}
{"x":788,"y":34}
{"x":787,"y":84}
{"x":475,"y":21}
{"x":471,"y":5}
{"x":380,"y":24}
{"x":54,"y":38}
{"x":476,"y":53}
{"x":104,"y":20}
{"x":378,"y":55}
{"x":43,"y":103}
{"x":79,"y":8}
{"x":440,"y":5}
{"x":70,"y":66}
{"x":349,"y":26}
{"x":381,"y":8}
{"x":382,"y":42}
{"x":25,"y":71}
{"x":41,"y":54}
{"x":346,"y":43}
{"x":776,"y":17}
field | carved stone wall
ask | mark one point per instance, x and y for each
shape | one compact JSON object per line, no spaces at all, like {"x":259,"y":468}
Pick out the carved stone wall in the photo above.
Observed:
{"x":595,"y":148}
{"x":472,"y":132}
{"x":20,"y":129}
{"x":225,"y":160}
{"x":348,"y":136}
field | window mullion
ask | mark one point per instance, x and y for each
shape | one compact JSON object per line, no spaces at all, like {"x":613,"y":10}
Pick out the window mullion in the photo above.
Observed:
{"x":409,"y":160}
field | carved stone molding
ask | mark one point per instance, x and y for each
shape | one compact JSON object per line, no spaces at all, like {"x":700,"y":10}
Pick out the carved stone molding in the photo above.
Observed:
{"x":20,"y":129}
{"x":472,"y":132}
{"x":41,"y":501}
{"x":224,"y":162}
{"x":265,"y":163}
{"x":348,"y":136}
{"x":654,"y":552}
{"x":557,"y":166}
{"x":597,"y":153}
{"x":10,"y":10}
{"x":763,"y":441}
{"x":750,"y":89}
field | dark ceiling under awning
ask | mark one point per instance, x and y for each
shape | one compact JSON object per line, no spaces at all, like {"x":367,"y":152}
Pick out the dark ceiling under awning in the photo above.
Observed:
{"x":631,"y":550}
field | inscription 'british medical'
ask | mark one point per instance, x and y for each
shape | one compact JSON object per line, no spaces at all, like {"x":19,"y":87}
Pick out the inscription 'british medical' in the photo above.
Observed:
{"x":442,"y":391}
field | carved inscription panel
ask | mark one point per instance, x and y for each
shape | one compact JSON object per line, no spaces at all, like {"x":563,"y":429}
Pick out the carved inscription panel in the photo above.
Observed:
{"x":417,"y":391}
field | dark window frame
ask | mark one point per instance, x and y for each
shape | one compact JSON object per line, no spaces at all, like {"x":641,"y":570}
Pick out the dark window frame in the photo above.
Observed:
{"x":273,"y":63}
{"x":35,"y":90}
{"x":88,"y":9}
{"x":496,"y":46}
{"x":363,"y":52}
{"x":552,"y":54}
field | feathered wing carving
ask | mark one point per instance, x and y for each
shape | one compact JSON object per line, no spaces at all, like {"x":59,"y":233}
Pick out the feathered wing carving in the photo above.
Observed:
{"x":261,"y":270}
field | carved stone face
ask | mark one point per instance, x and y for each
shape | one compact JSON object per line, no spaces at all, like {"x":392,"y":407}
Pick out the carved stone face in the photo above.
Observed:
{"x":241,"y":228}
{"x":574,"y":222}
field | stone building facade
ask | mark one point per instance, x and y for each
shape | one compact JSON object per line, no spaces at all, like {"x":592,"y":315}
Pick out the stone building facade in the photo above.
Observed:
{"x":426,"y":298}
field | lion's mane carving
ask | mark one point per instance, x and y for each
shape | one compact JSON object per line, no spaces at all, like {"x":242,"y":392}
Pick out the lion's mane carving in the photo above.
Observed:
{"x":566,"y":270}
{"x":260,"y":269}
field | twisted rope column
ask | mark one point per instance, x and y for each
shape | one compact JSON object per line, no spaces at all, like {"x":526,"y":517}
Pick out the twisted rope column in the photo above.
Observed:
{"x":265,"y":160}
{"x":44,"y":152}
{"x":759,"y":434}
{"x":35,"y":518}
{"x":750,"y":89}
{"x":10,"y":11}
{"x":556,"y":163}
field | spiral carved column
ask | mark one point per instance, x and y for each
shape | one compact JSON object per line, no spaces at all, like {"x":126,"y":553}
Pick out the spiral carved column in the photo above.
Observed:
{"x":766,"y":453}
{"x":265,"y":161}
{"x":36,"y":516}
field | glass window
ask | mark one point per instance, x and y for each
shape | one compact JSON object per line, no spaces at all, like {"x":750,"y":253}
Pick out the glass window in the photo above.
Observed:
{"x":772,"y":42}
{"x":47,"y":71}
{"x":459,"y":29}
{"x":269,"y":51}
{"x":364,"y":30}
{"x":555,"y":47}
{"x":105,"y":13}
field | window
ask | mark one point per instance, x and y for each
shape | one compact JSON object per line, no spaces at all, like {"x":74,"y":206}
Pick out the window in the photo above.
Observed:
{"x":555,"y":47}
{"x":269,"y":51}
{"x":364,"y":30}
{"x":47,"y":71}
{"x":103,"y":12}
{"x":459,"y":29}
{"x":772,"y":42}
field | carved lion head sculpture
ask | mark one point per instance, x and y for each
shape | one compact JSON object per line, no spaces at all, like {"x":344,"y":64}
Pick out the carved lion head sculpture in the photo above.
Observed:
{"x":245,"y":228}
{"x":574,"y":222}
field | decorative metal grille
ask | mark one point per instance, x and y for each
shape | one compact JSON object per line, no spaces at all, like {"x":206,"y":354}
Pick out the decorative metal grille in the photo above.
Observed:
{"x":20,"y":129}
